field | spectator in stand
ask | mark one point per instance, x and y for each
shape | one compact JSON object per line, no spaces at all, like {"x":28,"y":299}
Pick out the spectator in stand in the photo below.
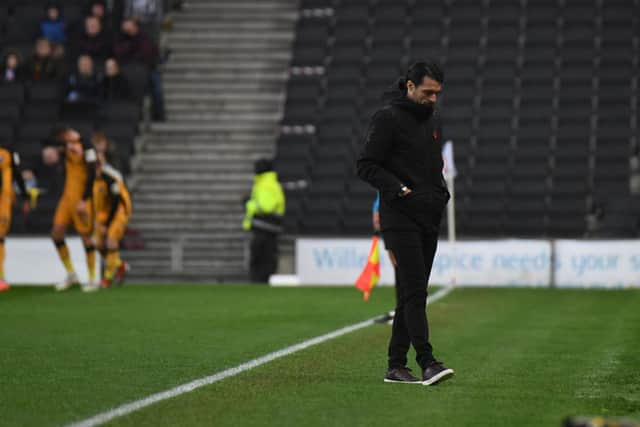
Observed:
{"x":134,"y":46}
{"x":114,"y":84}
{"x":44,"y":175}
{"x":104,"y":147}
{"x":148,"y":13}
{"x":83,"y":85}
{"x":93,"y":41}
{"x":43,"y":65}
{"x":12,"y":68}
{"x":98,"y":9}
{"x":53,"y":27}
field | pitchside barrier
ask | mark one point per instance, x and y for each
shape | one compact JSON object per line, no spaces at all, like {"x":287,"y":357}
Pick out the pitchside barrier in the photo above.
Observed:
{"x":34,"y":261}
{"x":511,"y":262}
{"x":326,"y":261}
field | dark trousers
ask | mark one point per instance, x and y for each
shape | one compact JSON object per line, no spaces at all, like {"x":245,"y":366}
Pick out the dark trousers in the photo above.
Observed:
{"x":157,"y":96}
{"x":414,"y":252}
{"x":263,"y":260}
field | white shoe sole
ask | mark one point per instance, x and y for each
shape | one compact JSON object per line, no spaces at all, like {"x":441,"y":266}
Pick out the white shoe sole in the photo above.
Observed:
{"x":387,"y":380}
{"x":444,"y":375}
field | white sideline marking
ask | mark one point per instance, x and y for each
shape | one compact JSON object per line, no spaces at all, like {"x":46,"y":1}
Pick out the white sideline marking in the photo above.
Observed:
{"x":128,"y":408}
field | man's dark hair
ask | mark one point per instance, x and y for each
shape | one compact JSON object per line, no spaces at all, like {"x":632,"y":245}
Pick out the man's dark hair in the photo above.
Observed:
{"x":263,"y":165}
{"x":416,"y":73}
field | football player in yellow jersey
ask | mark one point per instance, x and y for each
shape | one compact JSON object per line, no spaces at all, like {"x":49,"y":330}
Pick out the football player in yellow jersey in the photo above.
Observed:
{"x":113,"y":210}
{"x":9,"y":173}
{"x":75,"y":206}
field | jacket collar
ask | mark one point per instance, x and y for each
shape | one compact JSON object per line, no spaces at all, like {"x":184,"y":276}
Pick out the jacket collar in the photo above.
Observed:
{"x":421,"y":112}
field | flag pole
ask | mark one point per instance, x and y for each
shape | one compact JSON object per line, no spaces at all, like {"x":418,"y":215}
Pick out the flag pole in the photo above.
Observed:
{"x":450,"y":174}
{"x":451,"y":218}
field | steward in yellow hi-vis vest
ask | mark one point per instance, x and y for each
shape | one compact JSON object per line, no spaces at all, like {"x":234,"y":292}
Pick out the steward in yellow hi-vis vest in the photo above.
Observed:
{"x":113,"y":211}
{"x":264,"y":211}
{"x":9,"y":175}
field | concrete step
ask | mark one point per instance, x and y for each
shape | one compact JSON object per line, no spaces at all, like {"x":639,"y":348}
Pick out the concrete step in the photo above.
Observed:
{"x":216,"y":99}
{"x":183,"y":107}
{"x":191,"y":252}
{"x":190,"y":255}
{"x":151,"y":275}
{"x":263,"y":66}
{"x":230,"y":127}
{"x":230,"y":55}
{"x":209,"y":175}
{"x":232,"y":36}
{"x":259,"y":150}
{"x":228,"y":26}
{"x":263,"y":147}
{"x":228,"y":46}
{"x":209,"y":210}
{"x":188,"y":158}
{"x":243,"y":88}
{"x":214,"y":143}
{"x":187,"y":227}
{"x":247,"y":6}
{"x":220,"y":235}
{"x":191,"y":187}
{"x":255,"y":118}
{"x":204,"y":198}
{"x":224,"y":75}
{"x":164,"y":166}
{"x":251,"y":138}
{"x":206,"y":243}
{"x":217,"y":183}
{"x":221,"y":15}
{"x":188,"y":216}
{"x":208,"y":266}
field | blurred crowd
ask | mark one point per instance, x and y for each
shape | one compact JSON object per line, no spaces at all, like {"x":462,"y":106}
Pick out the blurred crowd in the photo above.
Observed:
{"x":85,"y":54}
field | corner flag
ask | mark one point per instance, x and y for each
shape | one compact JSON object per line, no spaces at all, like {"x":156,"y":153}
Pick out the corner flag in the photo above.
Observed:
{"x":370,"y":276}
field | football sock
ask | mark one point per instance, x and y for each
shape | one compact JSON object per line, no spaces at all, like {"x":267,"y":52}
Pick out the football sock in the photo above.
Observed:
{"x":91,"y":261}
{"x":63,"y":253}
{"x":113,"y":263}
{"x":1,"y":259}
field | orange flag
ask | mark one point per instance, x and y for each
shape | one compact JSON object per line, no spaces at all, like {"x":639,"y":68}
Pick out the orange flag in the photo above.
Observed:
{"x":370,"y":276}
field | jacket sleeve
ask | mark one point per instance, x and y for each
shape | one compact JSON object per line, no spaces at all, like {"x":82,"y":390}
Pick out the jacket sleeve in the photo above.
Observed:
{"x":377,"y":147}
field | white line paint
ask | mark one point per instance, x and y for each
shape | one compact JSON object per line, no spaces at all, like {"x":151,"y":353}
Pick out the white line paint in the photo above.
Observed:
{"x":128,"y":408}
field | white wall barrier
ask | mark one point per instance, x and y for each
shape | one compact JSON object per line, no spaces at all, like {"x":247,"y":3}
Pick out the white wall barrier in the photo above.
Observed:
{"x":478,"y":263}
{"x":577,"y":263}
{"x":34,"y":261}
{"x":512,"y":262}
{"x":602,"y":264}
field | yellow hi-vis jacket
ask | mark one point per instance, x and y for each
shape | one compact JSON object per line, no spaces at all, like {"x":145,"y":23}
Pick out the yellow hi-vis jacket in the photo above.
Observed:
{"x":267,"y":201}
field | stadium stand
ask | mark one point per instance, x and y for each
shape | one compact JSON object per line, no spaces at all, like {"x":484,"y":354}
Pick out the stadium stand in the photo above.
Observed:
{"x":540,"y":101}
{"x":30,"y":108}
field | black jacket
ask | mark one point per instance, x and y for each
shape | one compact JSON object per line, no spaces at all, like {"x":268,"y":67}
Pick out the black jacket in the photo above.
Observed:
{"x":404,"y":147}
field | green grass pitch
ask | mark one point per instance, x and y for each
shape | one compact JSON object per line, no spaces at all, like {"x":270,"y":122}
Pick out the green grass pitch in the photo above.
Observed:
{"x":523,"y":357}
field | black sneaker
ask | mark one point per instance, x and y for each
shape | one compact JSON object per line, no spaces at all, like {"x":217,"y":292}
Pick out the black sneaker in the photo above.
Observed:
{"x":386,"y":318}
{"x":400,"y":375}
{"x":436,"y":372}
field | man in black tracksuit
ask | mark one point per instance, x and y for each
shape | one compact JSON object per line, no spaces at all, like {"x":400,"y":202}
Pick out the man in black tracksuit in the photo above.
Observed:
{"x":402,"y":159}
